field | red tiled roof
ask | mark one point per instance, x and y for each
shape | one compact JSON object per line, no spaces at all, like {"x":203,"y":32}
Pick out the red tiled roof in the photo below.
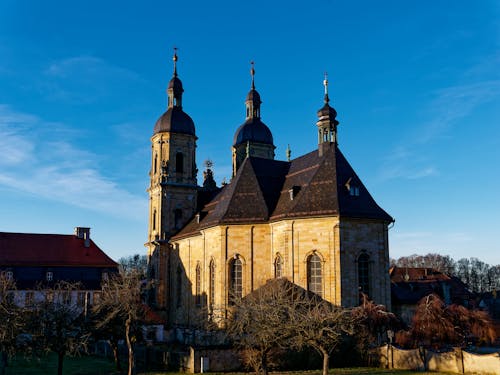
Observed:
{"x":29,"y":249}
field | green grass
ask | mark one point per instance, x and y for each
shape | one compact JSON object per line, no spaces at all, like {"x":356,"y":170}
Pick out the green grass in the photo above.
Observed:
{"x":336,"y":371}
{"x":85,"y":365}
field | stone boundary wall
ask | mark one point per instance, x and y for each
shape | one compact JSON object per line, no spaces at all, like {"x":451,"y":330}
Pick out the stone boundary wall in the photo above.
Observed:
{"x":455,"y":361}
{"x":219,"y":360}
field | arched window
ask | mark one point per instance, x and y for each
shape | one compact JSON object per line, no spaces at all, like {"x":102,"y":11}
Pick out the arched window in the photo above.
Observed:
{"x":179,"y":162}
{"x":364,"y":274}
{"x":235,"y":279}
{"x":154,"y":220}
{"x":177,"y":218}
{"x":198,"y":284}
{"x":314,"y":274}
{"x":179,"y":286}
{"x":211,"y":289}
{"x":278,"y":266}
{"x":155,"y":167}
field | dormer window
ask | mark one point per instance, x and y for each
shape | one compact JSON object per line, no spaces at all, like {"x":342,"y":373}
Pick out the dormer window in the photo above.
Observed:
{"x":352,"y":187}
{"x":49,"y":276}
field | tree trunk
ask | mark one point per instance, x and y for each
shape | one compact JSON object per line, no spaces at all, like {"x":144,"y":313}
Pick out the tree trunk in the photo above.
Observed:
{"x":114,"y":347}
{"x":263,"y":363}
{"x":60,"y":359}
{"x":326,"y":361}
{"x":129,"y":346}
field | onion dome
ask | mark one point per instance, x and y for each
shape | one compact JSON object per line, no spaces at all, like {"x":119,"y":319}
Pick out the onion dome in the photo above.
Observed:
{"x":175,"y":120}
{"x":253,"y":129}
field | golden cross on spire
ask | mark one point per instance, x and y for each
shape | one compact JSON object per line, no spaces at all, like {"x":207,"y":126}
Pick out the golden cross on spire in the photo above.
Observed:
{"x":325,"y":83}
{"x":175,"y":58}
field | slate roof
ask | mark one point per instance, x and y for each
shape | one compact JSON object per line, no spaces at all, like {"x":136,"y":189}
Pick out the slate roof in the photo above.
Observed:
{"x":410,"y":284}
{"x":260,"y":192}
{"x":29,"y":249}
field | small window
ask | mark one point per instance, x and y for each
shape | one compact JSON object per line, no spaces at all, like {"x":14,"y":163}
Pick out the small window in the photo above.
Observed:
{"x":278,"y":266}
{"x":198,"y":284}
{"x":96,"y":297}
{"x":49,"y":276}
{"x":364,"y":274}
{"x":49,"y":296}
{"x":9,"y":275}
{"x":177,"y":218}
{"x":354,"y":191}
{"x":179,"y":162}
{"x":29,"y":298}
{"x":179,"y":287}
{"x":212,"y":285}
{"x":82,"y":296}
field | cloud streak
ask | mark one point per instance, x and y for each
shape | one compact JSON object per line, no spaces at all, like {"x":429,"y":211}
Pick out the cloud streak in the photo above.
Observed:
{"x":449,"y":106}
{"x":55,"y":169}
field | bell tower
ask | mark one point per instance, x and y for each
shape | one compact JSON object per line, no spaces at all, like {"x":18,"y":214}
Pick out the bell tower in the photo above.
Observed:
{"x":253,"y":137}
{"x":327,"y":123}
{"x":173,"y":184}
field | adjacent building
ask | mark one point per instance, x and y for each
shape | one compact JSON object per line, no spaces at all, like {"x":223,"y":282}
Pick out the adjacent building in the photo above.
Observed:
{"x":36,"y":262}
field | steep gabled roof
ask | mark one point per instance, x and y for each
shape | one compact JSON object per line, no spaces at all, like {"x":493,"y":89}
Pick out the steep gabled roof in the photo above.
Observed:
{"x":30,"y":249}
{"x":266,"y":190}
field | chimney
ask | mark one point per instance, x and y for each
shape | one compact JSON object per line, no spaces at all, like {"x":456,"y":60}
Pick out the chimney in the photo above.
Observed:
{"x":84,"y":234}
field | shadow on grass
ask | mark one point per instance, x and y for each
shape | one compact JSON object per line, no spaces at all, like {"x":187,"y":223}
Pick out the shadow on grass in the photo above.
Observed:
{"x":84,"y":365}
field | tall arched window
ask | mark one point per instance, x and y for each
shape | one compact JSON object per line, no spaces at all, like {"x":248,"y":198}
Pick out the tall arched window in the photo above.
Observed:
{"x":179,"y":162}
{"x":211,"y":288}
{"x":155,"y":167}
{"x":314,"y":274}
{"x":177,"y":218}
{"x":179,"y":286}
{"x":235,"y":279}
{"x":278,"y":266}
{"x":198,"y":284}
{"x":154,"y":220}
{"x":364,"y":274}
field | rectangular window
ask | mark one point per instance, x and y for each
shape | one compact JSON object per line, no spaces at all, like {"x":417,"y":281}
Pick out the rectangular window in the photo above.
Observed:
{"x":29,"y":298}
{"x":49,"y":276}
{"x":81,"y":299}
{"x":96,"y":297}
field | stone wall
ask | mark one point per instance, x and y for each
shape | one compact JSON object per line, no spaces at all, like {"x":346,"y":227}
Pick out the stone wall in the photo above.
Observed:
{"x":455,"y":361}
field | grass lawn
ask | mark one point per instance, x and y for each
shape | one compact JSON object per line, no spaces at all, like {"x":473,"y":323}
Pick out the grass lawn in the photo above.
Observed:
{"x":336,"y":371}
{"x":85,"y":365}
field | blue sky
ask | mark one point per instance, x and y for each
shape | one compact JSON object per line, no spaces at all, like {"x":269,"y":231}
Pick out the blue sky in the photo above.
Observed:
{"x":416,"y":86}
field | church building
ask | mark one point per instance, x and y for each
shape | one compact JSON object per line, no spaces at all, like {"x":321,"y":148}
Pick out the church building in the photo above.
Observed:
{"x":309,"y":219}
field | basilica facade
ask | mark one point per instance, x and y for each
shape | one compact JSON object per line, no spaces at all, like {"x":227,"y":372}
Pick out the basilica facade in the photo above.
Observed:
{"x":309,"y":219}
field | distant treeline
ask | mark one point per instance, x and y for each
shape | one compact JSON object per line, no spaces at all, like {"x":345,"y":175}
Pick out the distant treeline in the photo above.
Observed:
{"x":478,"y":275}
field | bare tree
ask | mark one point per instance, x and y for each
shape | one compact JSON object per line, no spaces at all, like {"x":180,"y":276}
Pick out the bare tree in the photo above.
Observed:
{"x":260,"y":321}
{"x":320,"y":325}
{"x":57,"y":323}
{"x":373,"y":321}
{"x":121,"y":301}
{"x":136,"y":262}
{"x":11,"y":320}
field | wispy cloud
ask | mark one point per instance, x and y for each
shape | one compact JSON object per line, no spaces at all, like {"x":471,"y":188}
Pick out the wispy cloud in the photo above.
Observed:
{"x":57,"y":169}
{"x":85,"y":79}
{"x":449,"y":106}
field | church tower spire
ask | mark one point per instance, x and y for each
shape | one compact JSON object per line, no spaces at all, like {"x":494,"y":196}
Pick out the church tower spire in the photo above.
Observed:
{"x":174,"y":89}
{"x":253,"y":137}
{"x":327,"y":122}
{"x":173,"y":185}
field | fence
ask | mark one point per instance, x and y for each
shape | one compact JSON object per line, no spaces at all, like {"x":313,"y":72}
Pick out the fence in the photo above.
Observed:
{"x":455,"y":361}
